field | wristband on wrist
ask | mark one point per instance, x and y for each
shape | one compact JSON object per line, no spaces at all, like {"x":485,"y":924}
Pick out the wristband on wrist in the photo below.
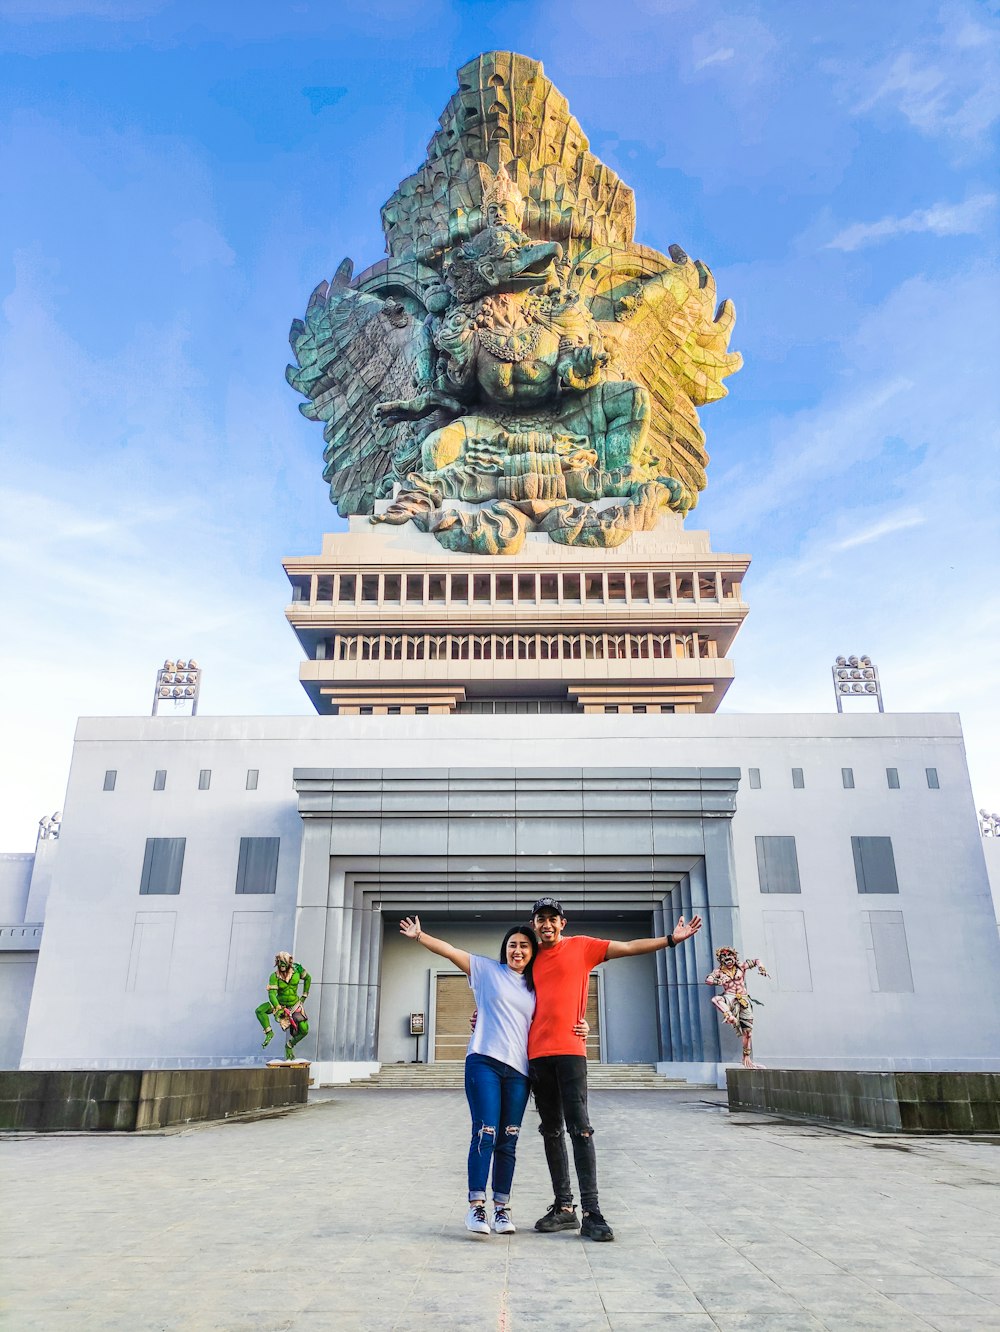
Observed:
{"x":671,"y":941}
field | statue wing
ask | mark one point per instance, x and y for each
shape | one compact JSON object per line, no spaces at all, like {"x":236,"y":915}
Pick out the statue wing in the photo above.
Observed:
{"x":669,"y":336}
{"x":353,"y":351}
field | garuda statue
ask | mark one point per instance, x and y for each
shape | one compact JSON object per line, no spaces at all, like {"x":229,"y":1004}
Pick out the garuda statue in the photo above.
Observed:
{"x":517,"y":363}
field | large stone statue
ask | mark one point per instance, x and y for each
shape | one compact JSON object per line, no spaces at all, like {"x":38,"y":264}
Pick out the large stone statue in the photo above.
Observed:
{"x":518,"y":363}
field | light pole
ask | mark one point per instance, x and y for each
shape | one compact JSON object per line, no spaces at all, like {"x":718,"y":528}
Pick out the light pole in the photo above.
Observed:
{"x":178,"y":684}
{"x":856,"y":677}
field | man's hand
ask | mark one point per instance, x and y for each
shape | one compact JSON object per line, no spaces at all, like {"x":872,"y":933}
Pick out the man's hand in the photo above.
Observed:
{"x":684,"y":930}
{"x":581,"y":1028}
{"x":761,"y":970}
{"x":410,"y":927}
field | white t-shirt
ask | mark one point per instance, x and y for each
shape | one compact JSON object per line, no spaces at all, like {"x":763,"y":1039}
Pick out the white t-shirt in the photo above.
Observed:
{"x":506,"y":1007}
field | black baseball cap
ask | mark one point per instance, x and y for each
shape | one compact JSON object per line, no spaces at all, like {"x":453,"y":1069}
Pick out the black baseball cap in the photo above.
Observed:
{"x":548,"y":904}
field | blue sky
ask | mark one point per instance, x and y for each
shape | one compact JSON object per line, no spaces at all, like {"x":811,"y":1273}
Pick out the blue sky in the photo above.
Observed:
{"x":176,"y":178}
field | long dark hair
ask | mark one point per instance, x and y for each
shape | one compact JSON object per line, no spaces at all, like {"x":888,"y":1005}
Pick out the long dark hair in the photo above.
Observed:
{"x":529,"y":934}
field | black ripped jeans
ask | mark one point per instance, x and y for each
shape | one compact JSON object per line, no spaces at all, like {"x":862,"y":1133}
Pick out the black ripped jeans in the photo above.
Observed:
{"x":559,"y":1084}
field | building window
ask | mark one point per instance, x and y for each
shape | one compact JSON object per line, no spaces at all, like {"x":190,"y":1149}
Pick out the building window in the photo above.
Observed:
{"x":161,"y":866}
{"x":257,"y":871}
{"x":421,"y":711}
{"x":888,"y":956}
{"x":754,"y":775}
{"x":110,"y":777}
{"x":798,"y":780}
{"x":932,"y":779}
{"x":874,"y":865}
{"x":777,"y":865}
{"x":204,"y":779}
{"x":892,"y":778}
{"x":160,"y":779}
{"x":847,"y":777}
{"x":252,"y":775}
{"x":611,"y":707}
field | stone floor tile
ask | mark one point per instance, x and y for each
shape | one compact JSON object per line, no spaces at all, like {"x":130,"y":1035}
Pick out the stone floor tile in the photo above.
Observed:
{"x":857,"y":1321}
{"x":988,"y":1288}
{"x":962,"y":1322}
{"x":679,"y":1322}
{"x":768,"y":1322}
{"x":626,"y":1297}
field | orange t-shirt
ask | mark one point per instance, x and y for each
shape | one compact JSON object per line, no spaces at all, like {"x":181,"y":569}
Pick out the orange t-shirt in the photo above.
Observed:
{"x":561,"y":975}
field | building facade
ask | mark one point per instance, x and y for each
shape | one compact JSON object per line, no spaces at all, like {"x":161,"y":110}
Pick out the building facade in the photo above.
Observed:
{"x":841,"y":850}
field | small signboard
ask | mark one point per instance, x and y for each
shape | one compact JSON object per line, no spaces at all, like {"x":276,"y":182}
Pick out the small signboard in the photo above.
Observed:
{"x":416,"y":1024}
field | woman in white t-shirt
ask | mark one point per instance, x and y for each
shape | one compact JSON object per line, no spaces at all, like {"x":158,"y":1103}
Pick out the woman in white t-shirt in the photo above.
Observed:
{"x":496,"y":1066}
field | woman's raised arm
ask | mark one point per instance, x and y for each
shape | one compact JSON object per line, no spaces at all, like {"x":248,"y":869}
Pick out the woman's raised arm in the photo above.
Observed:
{"x":410,"y":929}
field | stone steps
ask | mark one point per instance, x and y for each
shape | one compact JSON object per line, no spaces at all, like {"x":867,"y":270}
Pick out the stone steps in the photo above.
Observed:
{"x":450,"y":1076}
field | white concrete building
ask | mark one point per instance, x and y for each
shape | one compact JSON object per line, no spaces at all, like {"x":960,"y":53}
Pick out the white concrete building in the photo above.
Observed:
{"x":466,"y":778}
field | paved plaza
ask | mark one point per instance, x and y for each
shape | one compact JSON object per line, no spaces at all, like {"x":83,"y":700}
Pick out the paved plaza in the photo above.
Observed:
{"x":348,"y":1214}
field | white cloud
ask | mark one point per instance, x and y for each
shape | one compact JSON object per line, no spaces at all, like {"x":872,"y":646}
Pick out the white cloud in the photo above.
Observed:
{"x":125,"y":538}
{"x":941,"y":219}
{"x":892,"y":522}
{"x":718,"y":57}
{"x":873,"y":521}
{"x":740,"y":42}
{"x":946,"y":87}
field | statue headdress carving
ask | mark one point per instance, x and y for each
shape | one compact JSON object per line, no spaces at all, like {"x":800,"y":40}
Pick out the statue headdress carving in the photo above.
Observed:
{"x":517,"y":350}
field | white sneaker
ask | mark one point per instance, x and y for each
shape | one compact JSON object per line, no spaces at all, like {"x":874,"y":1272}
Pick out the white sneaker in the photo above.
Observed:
{"x":476,"y":1219}
{"x":502,"y":1223}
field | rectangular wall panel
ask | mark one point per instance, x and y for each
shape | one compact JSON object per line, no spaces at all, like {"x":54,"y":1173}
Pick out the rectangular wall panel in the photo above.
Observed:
{"x":250,"y":960}
{"x":152,"y":948}
{"x":787,"y":950}
{"x":888,"y":954}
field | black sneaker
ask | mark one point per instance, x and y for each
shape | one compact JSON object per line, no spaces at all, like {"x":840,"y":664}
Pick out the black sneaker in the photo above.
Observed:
{"x":596,"y":1228}
{"x":557,"y":1219}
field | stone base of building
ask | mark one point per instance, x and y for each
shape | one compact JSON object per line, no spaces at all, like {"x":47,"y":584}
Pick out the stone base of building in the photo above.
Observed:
{"x":915,"y":1102}
{"x":131,"y":1100}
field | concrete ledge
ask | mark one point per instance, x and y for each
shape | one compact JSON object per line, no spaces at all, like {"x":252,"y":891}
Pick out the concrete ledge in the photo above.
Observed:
{"x":894,"y":1102}
{"x":126,"y":1101}
{"x":336,"y":1073}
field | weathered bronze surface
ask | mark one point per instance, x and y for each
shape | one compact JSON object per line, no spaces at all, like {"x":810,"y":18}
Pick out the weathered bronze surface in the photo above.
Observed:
{"x":517,"y":363}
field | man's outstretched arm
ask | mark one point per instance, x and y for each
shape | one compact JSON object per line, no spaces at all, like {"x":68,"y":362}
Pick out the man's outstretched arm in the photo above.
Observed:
{"x":633,"y":947}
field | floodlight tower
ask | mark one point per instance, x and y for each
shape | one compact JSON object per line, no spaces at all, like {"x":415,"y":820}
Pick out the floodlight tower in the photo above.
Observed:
{"x":178,"y":685}
{"x":856,"y":677}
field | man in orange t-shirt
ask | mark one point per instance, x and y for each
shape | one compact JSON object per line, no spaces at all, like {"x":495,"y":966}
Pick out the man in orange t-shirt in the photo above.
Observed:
{"x":557,"y":1062}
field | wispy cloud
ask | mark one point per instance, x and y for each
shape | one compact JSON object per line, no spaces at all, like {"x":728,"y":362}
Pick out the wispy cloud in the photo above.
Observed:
{"x":947,"y":86}
{"x":895,"y":522}
{"x":941,"y":219}
{"x":742,"y":43}
{"x":719,"y":57}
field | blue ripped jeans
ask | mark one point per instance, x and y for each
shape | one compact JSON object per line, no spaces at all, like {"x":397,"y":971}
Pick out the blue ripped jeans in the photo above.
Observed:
{"x":497,"y":1096}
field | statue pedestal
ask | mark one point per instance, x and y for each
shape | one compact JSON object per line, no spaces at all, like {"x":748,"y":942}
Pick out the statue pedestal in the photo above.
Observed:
{"x":392,"y":623}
